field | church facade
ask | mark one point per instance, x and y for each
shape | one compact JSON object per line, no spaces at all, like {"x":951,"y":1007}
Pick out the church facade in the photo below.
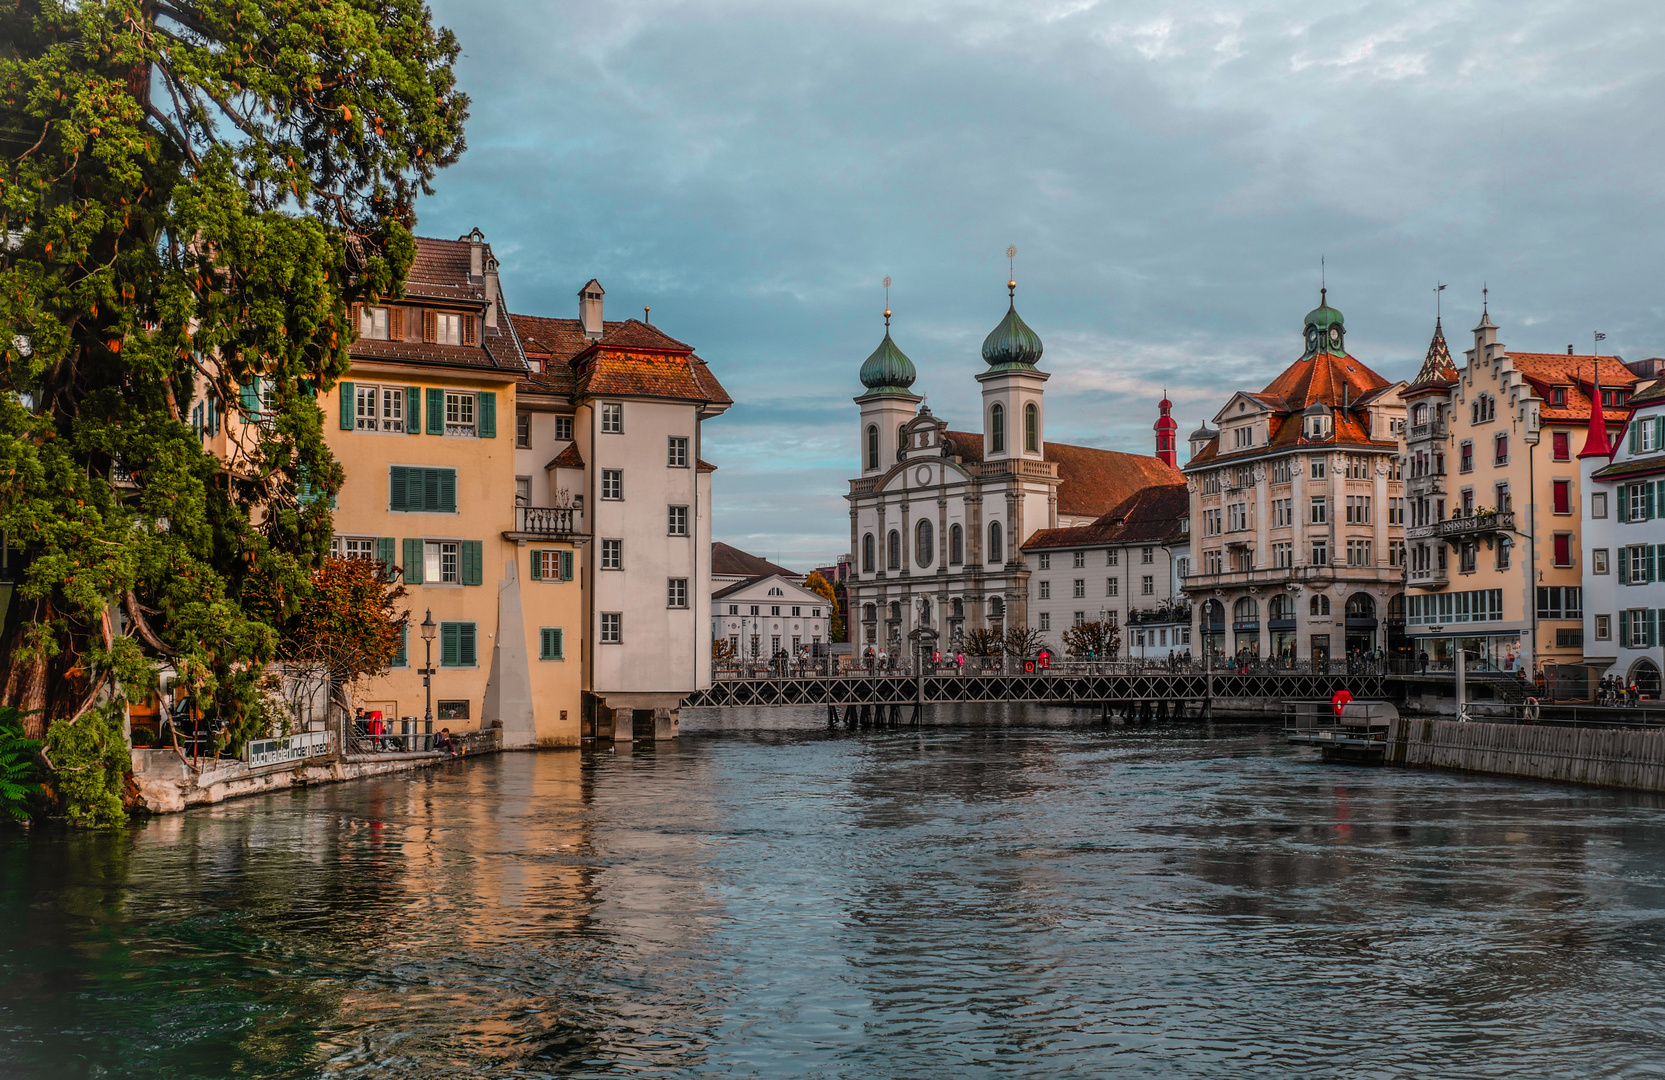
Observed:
{"x":939,"y":518}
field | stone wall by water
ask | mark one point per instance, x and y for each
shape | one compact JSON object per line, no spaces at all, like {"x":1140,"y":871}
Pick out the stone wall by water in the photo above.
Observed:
{"x":1605,"y":757}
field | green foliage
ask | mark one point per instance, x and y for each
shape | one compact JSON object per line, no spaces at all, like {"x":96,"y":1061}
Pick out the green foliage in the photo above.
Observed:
{"x":19,"y":768}
{"x":90,"y":761}
{"x":192,"y":195}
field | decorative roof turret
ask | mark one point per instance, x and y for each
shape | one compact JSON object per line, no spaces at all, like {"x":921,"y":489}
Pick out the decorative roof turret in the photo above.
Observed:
{"x":1326,"y":330}
{"x":888,"y":370}
{"x":1596,"y":442}
{"x":1437,"y":366}
{"x":1012,"y":346}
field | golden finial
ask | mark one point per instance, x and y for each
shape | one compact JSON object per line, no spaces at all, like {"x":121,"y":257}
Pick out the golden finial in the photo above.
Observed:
{"x":1011,"y":269}
{"x":887,"y":303}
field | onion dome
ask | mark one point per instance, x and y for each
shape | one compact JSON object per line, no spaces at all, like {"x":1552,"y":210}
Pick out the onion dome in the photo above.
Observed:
{"x":1325,"y":328}
{"x":888,"y":369}
{"x":1203,"y":434}
{"x":1012,"y":345}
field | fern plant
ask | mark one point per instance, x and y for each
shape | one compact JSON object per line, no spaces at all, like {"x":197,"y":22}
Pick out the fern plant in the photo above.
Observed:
{"x":19,"y":767}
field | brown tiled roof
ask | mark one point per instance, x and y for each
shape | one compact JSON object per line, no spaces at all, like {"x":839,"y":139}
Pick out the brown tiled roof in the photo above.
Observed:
{"x":557,"y":339}
{"x":704,"y":466}
{"x":730,"y":561}
{"x":632,"y":358}
{"x":1577,"y":373}
{"x":635,"y":334}
{"x":1092,"y":481}
{"x":1151,"y":515}
{"x":429,"y":355}
{"x":440,"y":271}
{"x":569,"y":458}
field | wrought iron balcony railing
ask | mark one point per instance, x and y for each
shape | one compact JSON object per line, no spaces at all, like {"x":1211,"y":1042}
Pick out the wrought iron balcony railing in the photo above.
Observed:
{"x":1478,"y":524}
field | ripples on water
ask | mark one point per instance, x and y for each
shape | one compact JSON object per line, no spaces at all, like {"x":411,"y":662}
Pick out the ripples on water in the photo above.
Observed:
{"x":768,"y":899}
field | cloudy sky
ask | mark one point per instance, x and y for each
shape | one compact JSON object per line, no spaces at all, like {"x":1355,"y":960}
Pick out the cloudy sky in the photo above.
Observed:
{"x":1171,"y":174}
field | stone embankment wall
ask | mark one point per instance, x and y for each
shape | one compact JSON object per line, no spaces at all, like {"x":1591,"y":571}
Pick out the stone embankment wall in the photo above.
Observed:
{"x":1603,"y":757}
{"x":167,"y":783}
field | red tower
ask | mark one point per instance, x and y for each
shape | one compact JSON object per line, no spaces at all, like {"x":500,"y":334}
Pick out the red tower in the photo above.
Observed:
{"x":1166,"y":430}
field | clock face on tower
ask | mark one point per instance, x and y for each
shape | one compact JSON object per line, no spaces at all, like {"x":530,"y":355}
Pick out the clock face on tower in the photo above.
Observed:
{"x":1335,"y":335}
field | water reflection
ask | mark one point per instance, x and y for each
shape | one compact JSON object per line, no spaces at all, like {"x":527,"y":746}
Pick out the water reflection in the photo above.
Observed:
{"x":1011,"y":897}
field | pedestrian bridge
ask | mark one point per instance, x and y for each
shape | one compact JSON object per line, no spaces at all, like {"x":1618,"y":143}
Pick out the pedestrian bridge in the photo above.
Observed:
{"x":1187,"y":690}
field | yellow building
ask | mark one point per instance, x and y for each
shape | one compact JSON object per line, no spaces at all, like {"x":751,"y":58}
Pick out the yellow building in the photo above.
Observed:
{"x":1494,"y":503}
{"x":424,"y":428}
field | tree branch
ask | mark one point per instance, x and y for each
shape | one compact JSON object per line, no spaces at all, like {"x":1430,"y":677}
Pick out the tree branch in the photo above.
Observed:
{"x":135,"y":613}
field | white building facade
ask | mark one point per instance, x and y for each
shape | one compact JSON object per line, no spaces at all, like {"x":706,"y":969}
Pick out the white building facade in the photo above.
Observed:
{"x":762,"y":617}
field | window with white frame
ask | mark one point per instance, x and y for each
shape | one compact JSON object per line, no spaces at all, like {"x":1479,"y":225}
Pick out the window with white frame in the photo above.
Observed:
{"x":448,"y":328}
{"x":1283,"y":554}
{"x":1046,"y":590}
{"x":612,"y":628}
{"x":378,"y":408}
{"x":523,"y":491}
{"x":612,"y":417}
{"x":1638,"y":500}
{"x":1320,"y":510}
{"x":612,"y":483}
{"x":676,"y":592}
{"x":1147,"y":585}
{"x":1112,"y":557}
{"x":1318,"y":467}
{"x":563,"y":429}
{"x":612,"y":555}
{"x":353,"y":547}
{"x":372,"y":323}
{"x":676,"y":452}
{"x":1046,"y":621}
{"x":1045,"y":560}
{"x":1147,"y":555}
{"x":1598,"y":561}
{"x":678,"y":521}
{"x":1598,"y":504}
{"x":1358,"y":553}
{"x":523,"y":430}
{"x":1080,"y":588}
{"x":1112,"y":586}
{"x":1320,"y":553}
{"x":441,"y":562}
{"x":1604,"y":628}
{"x":459,"y":413}
{"x":1080,"y":559}
{"x":1281,"y":471}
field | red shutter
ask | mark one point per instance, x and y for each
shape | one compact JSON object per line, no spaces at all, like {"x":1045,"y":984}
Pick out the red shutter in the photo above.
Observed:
{"x":1563,"y":496}
{"x":1559,"y":441}
{"x":1563,"y":549}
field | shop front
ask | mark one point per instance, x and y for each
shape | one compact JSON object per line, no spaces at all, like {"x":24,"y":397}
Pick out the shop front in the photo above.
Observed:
{"x":1245,"y":628}
{"x":1483,"y":652}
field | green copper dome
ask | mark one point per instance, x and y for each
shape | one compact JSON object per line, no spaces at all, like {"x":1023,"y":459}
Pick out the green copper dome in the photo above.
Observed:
{"x":1325,"y":329}
{"x":1012,"y":344}
{"x":888,"y":368}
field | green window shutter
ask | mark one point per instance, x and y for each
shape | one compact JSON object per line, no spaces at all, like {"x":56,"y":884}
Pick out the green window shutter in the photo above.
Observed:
{"x":447,"y":491}
{"x":558,"y":644}
{"x":485,"y":411}
{"x":1659,"y":432}
{"x":1635,"y":438}
{"x":429,"y":500}
{"x":472,"y":563}
{"x":550,"y":644}
{"x":450,"y":648}
{"x":537,"y":565}
{"x":413,"y":562}
{"x":1647,"y":502}
{"x":1624,"y":566}
{"x":347,"y":399}
{"x":402,"y":657}
{"x":397,"y":488}
{"x":385,"y":552}
{"x":1651,"y":628}
{"x":1624,"y":629}
{"x":1624,"y":502}
{"x":1647,"y":562}
{"x":465,"y":645}
{"x":250,"y":396}
{"x":413,"y":410}
{"x":566,"y":565}
{"x":436,"y":411}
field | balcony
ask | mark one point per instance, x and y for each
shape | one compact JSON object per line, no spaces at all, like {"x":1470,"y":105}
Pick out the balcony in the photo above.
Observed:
{"x":1434,"y":578}
{"x":545,"y":522}
{"x":1279,"y":576}
{"x":1167,"y":613}
{"x":1482,"y":524}
{"x":1434,"y":429}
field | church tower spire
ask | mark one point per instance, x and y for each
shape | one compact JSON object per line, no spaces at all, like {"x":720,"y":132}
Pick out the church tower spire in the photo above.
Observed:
{"x":1167,"y":430}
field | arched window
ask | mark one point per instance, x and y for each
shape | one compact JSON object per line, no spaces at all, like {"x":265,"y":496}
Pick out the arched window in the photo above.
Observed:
{"x":867,"y":556}
{"x":996,"y":542}
{"x":1361,"y":606}
{"x":997,"y":430}
{"x":901,"y":440}
{"x":1245,"y":610}
{"x":1280,"y":607}
{"x":893,"y":557}
{"x":872,"y":446}
{"x":1031,"y":428}
{"x":1419,"y":415}
{"x":924,"y":542}
{"x":1213,"y":615}
{"x":1320,"y":605}
{"x":956,"y":545}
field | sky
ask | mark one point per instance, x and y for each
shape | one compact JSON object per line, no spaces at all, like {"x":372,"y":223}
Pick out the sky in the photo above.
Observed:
{"x":1170,"y":173}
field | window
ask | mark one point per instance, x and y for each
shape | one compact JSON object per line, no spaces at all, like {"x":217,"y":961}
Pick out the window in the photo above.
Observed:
{"x":1320,"y":553}
{"x":612,"y":484}
{"x":523,"y":429}
{"x":1483,"y":409}
{"x":354,"y":547}
{"x":1598,"y":504}
{"x":924,"y":547}
{"x":451,"y":710}
{"x":956,"y":545}
{"x":1147,"y":555}
{"x":1112,"y":586}
{"x":563,"y":429}
{"x":1112,"y":557}
{"x":1505,"y":549}
{"x":1559,"y":450}
{"x":1031,"y":428}
{"x":893,"y":557}
{"x":1242,"y":437}
{"x":1634,"y":627}
{"x":1639,"y":506}
{"x":1147,"y":585}
{"x":1046,"y":590}
{"x":1317,"y":468}
{"x":1396,"y":553}
{"x":867,"y":554}
{"x":456,"y":644}
{"x":612,"y":628}
{"x":676,"y":593}
{"x":379,"y":408}
{"x":997,"y":430}
{"x":612,"y":555}
{"x":1080,"y":617}
{"x":1358,"y":509}
{"x":1046,"y":621}
{"x":1320,"y":510}
{"x":1563,"y":549}
{"x":1283,"y":555}
{"x":1080,"y":588}
{"x":523,"y":491}
{"x":551,"y":565}
{"x":1396,"y":511}
{"x":448,"y":328}
{"x":612,"y":418}
{"x":1465,"y":457}
{"x":1281,"y":471}
{"x":442,"y":562}
{"x":1604,"y":628}
{"x":1501,"y":502}
{"x":1213,"y":563}
{"x":872,"y":446}
{"x":551,"y":643}
{"x":1500,"y":449}
{"x":1598,"y":561}
{"x":1320,"y":605}
{"x":1358,"y":553}
{"x":996,"y":543}
{"x":459,"y":413}
{"x":1558,"y":398}
{"x":1563,"y":496}
{"x":1237,"y":517}
{"x":1046,"y":560}
{"x":372,"y":323}
{"x":422,"y":491}
{"x":1080,"y":559}
{"x":1649,"y":432}
{"x":676,"y":453}
{"x":677,"y":523}
{"x":1212,"y":522}
{"x":1560,"y":602}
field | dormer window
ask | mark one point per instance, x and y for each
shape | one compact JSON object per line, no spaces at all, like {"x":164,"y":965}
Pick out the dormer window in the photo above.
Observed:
{"x":1558,"y":396}
{"x":372,"y":323}
{"x":1244,"y":436}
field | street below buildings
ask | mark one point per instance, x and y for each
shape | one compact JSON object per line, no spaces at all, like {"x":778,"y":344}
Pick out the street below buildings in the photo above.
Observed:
{"x":1020,"y":892}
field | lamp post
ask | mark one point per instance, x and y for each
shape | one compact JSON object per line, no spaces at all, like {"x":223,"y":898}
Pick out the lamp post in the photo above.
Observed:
{"x":428,"y":629}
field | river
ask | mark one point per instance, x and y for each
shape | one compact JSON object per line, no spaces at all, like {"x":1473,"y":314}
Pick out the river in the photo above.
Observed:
{"x":1014,"y":897}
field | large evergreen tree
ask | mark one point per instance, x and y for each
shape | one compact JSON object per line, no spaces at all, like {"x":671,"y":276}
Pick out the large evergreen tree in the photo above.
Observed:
{"x":192,"y":193}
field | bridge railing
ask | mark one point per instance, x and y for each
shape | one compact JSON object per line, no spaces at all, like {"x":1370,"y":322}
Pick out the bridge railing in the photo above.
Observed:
{"x":979,"y":666}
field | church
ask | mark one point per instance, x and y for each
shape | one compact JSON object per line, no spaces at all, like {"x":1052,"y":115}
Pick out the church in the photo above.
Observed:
{"x":939,"y":518}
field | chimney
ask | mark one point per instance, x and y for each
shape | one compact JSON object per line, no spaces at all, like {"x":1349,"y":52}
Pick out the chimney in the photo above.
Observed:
{"x":476,"y":254}
{"x":491,"y":290}
{"x":589,"y":309}
{"x":1569,"y":350}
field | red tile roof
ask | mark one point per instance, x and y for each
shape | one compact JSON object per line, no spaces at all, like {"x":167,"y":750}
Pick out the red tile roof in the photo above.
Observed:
{"x":1333,"y":381}
{"x":632,"y":358}
{"x":1152,"y":515}
{"x":440,"y":271}
{"x":1093,"y":481}
{"x":569,"y":458}
{"x":1577,"y":374}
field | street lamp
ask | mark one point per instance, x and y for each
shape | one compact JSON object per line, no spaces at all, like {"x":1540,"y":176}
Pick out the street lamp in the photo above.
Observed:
{"x":428,"y":629}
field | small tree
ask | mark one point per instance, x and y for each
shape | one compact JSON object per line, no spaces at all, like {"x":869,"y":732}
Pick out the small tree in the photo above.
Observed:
{"x":721,"y":651}
{"x":819,"y":586}
{"x":350,"y":627}
{"x":983,"y":642}
{"x":1100,"y":639}
{"x":1023,"y":641}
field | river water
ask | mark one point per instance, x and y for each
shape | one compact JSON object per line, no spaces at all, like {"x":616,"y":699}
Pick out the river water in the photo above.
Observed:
{"x":1006,"y":898}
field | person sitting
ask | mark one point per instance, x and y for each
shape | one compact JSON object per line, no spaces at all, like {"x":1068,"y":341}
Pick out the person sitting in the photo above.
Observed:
{"x":444,"y":743}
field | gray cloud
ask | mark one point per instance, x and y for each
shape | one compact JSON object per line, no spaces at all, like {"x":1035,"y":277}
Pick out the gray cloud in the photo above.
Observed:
{"x":1170,"y":172}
